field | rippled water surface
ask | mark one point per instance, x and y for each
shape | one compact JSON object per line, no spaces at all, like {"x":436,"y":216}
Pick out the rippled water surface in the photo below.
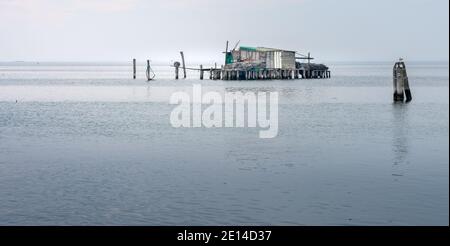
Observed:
{"x":83,"y":144}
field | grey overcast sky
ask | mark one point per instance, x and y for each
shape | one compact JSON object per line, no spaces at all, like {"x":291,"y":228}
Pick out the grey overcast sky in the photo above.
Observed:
{"x":116,"y":30}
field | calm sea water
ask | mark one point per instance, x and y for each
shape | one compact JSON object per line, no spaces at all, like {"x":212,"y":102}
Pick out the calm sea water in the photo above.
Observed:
{"x":86,"y":145}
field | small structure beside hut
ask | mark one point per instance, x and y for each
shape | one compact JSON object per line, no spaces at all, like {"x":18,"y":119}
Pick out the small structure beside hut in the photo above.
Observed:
{"x":251,"y":63}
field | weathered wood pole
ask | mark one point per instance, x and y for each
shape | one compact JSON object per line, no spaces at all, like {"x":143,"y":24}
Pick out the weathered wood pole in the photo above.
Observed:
{"x":147,"y":71}
{"x":226,"y":52}
{"x":177,"y":66}
{"x":184,"y":64}
{"x":201,"y":72}
{"x":211,"y":73}
{"x":407,"y":89}
{"x":134,"y":68}
{"x":401,"y":83}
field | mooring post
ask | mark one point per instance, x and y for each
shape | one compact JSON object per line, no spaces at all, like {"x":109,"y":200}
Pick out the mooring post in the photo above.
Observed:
{"x":134,"y":68}
{"x":406,"y":85}
{"x":201,"y":72}
{"x":177,"y":66}
{"x":147,"y":71}
{"x":211,"y":73}
{"x":401,"y":83}
{"x":184,"y":64}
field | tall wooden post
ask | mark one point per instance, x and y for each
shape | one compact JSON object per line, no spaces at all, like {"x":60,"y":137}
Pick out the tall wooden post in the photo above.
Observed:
{"x":147,"y":71}
{"x":184,"y":64}
{"x":401,"y":83}
{"x":226,"y":51}
{"x":134,"y":68}
{"x":201,"y":72}
{"x":177,"y":66}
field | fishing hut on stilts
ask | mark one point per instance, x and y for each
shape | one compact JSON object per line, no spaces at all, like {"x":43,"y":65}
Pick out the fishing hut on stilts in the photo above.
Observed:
{"x":261,"y":63}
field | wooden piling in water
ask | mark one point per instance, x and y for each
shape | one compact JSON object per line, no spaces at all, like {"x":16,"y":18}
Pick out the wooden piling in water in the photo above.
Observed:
{"x":134,"y":68}
{"x":401,"y":83}
{"x":201,"y":72}
{"x":184,"y":64}
{"x":147,"y":71}
{"x":177,"y":66}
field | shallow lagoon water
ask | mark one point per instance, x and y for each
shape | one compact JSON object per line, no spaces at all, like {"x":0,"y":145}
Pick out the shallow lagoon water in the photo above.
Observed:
{"x":85,"y":145}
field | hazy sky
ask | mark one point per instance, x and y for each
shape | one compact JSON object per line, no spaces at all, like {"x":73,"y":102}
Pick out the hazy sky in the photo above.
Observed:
{"x":117,"y":30}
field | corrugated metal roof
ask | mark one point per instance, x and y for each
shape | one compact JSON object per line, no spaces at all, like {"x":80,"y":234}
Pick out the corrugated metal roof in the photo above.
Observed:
{"x":262,"y":49}
{"x":272,"y":49}
{"x":245,"y":48}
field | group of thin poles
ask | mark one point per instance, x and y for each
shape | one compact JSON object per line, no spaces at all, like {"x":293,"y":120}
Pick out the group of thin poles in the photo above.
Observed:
{"x":148,"y":72}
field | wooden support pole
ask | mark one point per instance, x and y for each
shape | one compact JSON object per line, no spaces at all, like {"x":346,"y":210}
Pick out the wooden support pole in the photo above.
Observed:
{"x":407,"y":91}
{"x":398,"y":84}
{"x":406,"y":85}
{"x":134,"y":68}
{"x":177,"y":66}
{"x":184,"y":64}
{"x":226,"y":52}
{"x":201,"y":72}
{"x":210,"y":73}
{"x":401,"y":83}
{"x":147,"y":71}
